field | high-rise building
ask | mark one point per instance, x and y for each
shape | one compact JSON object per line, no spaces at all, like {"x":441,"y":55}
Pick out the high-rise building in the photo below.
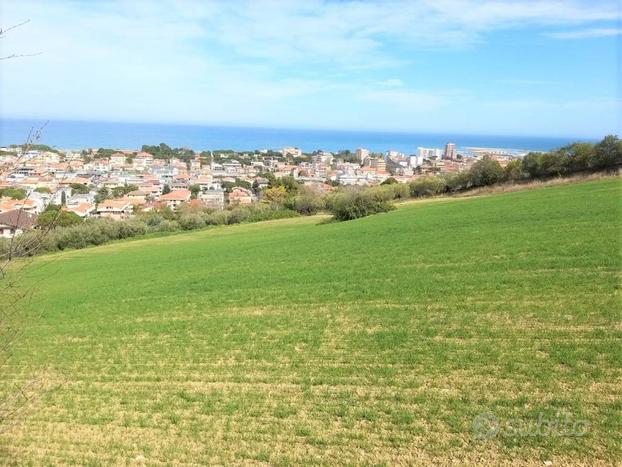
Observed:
{"x":429,"y":153}
{"x":450,"y":151}
{"x":379,"y":164}
{"x":415,"y":160}
{"x":362,"y":154}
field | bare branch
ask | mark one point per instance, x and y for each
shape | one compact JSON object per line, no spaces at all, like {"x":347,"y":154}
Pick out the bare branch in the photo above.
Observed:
{"x":8,"y":57}
{"x":3,"y":33}
{"x":10,"y":28}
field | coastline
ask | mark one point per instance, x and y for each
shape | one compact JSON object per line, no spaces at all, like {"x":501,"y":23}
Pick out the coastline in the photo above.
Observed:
{"x":67,"y":134}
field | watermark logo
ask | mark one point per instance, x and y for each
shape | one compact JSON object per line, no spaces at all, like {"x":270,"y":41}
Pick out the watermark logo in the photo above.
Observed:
{"x":485,"y":426}
{"x":488,"y":426}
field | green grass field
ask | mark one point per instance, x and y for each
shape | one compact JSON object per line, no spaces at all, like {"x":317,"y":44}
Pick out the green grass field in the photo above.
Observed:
{"x":375,"y":341}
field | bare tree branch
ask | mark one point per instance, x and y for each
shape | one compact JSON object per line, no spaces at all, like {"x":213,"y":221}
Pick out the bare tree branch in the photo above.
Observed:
{"x":3,"y":33}
{"x":10,"y":28}
{"x":8,"y":57}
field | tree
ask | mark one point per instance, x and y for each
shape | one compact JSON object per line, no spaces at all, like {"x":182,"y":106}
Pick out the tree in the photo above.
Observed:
{"x":228,"y":186}
{"x":306,"y":202}
{"x":164,"y":151}
{"x":79,"y":188}
{"x":102,"y":194}
{"x":166,"y":189}
{"x":552,"y":164}
{"x":275,"y":195}
{"x":608,"y":153}
{"x":103,"y":153}
{"x":58,"y":218}
{"x":458,"y":182}
{"x":13,"y":193}
{"x":514,"y":170}
{"x":532,"y":164}
{"x":427,"y":186}
{"x":290,"y":184}
{"x":577,"y":157}
{"x":119,"y":191}
{"x":243,"y":183}
{"x":166,"y":212}
{"x":486,"y":172}
{"x":195,"y":190}
{"x":389,"y":181}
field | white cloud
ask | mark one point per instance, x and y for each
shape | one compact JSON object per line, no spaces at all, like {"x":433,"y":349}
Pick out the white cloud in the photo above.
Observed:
{"x":391,"y":83}
{"x":586,"y":33}
{"x":249,"y":62}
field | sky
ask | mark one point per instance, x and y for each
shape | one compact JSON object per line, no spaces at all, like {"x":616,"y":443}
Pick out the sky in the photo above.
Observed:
{"x":545,"y":67}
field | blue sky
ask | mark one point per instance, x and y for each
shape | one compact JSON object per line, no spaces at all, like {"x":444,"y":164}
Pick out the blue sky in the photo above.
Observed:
{"x":545,"y":67}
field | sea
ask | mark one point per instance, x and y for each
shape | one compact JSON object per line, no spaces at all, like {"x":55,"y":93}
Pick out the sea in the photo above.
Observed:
{"x":67,"y":134}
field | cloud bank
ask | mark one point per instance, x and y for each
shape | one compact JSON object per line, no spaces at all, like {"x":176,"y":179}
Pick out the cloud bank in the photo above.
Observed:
{"x":317,"y":63}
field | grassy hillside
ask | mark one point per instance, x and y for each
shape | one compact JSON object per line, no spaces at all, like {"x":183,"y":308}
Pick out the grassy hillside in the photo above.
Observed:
{"x":373,"y":341}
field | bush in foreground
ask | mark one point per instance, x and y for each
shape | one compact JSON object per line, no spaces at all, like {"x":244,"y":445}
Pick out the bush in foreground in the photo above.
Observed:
{"x":353,"y":204}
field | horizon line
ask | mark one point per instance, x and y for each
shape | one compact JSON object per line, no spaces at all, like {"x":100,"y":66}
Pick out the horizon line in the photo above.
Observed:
{"x":296,"y":128}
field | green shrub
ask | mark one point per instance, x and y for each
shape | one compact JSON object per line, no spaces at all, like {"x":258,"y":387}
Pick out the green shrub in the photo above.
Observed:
{"x":168,"y":226}
{"x":400,"y":190}
{"x":458,"y":182}
{"x":14,"y":193}
{"x":151,"y":219}
{"x":513,"y":171}
{"x":427,"y":186}
{"x":217,"y":218}
{"x":258,"y":213}
{"x":191,"y":221}
{"x":307,"y":202}
{"x":238,"y":215}
{"x":353,"y":204}
{"x":389,"y":181}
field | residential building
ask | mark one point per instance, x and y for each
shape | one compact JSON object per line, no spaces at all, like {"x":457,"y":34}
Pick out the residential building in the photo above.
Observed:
{"x":291,"y":151}
{"x":115,"y":209}
{"x":176,"y":197}
{"x":240,"y":196}
{"x":82,"y":210}
{"x":379,"y":164}
{"x":213,"y":198}
{"x":26,"y":205}
{"x":15,"y":222}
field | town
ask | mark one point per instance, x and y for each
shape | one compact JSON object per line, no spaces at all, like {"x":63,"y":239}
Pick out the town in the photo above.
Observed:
{"x":117,"y":184}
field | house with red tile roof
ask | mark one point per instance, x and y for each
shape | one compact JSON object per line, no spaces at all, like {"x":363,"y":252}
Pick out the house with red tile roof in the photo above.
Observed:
{"x":240,"y":196}
{"x":83,"y":210}
{"x":115,"y":209}
{"x":176,"y":197}
{"x":27,"y":205}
